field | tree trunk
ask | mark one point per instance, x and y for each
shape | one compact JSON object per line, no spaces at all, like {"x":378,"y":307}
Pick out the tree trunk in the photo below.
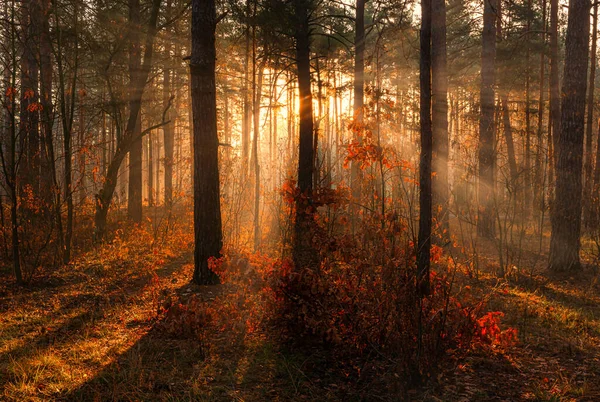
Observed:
{"x":168,"y":140}
{"x":566,"y":212}
{"x":588,"y":180}
{"x":207,"y":208}
{"x":510,"y":145}
{"x":246,"y":94}
{"x":439,"y":81}
{"x":67,"y":109}
{"x":134,"y":197}
{"x":554,"y":91}
{"x":425,"y":167}
{"x":359,"y":94}
{"x":487,"y":129}
{"x":29,"y":115}
{"x":125,"y":142}
{"x":539,"y":179}
{"x":304,"y":254}
{"x":257,"y":93}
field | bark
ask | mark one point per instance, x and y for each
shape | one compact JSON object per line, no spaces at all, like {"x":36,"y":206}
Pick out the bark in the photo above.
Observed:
{"x":554,"y":89}
{"x":538,"y":193}
{"x":304,"y":254}
{"x":49,"y":179}
{"x":207,"y":208}
{"x":359,"y":94}
{"x":127,"y":139}
{"x":566,"y":212}
{"x":439,"y":80}
{"x":510,"y":144}
{"x":168,"y":132}
{"x":257,"y":94}
{"x":487,"y":129}
{"x":246,"y":94}
{"x":588,"y":180}
{"x":150,"y":161}
{"x":425,"y":167}
{"x":527,"y":171}
{"x":67,"y":110}
{"x":29,"y":114}
{"x":134,"y":198}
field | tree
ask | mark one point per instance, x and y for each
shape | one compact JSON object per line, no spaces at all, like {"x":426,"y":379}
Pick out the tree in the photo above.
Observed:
{"x":207,"y":203}
{"x":134,"y":199}
{"x":554,"y":127}
{"x":168,"y":132}
{"x":130,"y":135}
{"x":588,"y":179}
{"x":359,"y":95}
{"x":487,"y":129}
{"x":439,"y":82}
{"x":304,"y":255}
{"x":29,"y":117}
{"x":566,"y":212}
{"x":425,"y":188}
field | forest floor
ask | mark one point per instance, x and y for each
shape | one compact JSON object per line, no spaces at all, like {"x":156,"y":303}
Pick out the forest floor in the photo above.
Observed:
{"x":93,"y":331}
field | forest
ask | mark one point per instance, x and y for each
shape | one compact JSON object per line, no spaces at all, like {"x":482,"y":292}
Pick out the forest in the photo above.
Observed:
{"x":299,"y":200}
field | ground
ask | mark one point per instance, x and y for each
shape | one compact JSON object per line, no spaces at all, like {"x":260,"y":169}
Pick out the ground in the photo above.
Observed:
{"x":95,"y":330}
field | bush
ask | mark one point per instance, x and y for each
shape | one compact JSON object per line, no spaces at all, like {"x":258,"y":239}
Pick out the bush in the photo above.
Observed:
{"x":361,"y":301}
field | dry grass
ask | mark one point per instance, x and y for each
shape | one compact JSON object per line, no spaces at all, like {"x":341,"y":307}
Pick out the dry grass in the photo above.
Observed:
{"x":90,"y":332}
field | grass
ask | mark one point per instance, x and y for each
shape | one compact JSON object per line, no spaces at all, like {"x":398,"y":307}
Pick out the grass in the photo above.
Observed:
{"x":90,"y":331}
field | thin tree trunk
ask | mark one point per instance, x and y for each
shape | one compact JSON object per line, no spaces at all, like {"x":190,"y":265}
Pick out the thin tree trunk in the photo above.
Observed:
{"x":359,"y":88}
{"x":538,"y":192}
{"x":125,"y":142}
{"x":439,"y":81}
{"x":425,"y":167}
{"x":134,"y":198}
{"x":487,"y":130}
{"x":588,"y":154}
{"x":168,"y":128}
{"x":555,"y":114}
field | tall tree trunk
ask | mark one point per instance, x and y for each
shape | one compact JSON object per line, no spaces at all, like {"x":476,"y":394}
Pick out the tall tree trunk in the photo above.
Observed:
{"x":207,"y":203}
{"x":487,"y":129}
{"x":134,"y":198}
{"x":539,"y":179}
{"x":510,"y":144}
{"x":566,"y":212}
{"x":257,"y":94}
{"x":439,"y":81}
{"x":67,"y":111}
{"x":425,"y":167}
{"x":82,"y":156}
{"x":29,"y":114}
{"x":359,"y":94}
{"x":588,"y":180}
{"x":127,"y":139}
{"x":554,"y":92}
{"x":150,"y":161}
{"x":49,"y":174}
{"x":595,"y":197}
{"x":527,"y":171}
{"x":304,"y":253}
{"x":246,"y":94}
{"x":168,"y":128}
{"x":10,"y":164}
{"x":168,"y":140}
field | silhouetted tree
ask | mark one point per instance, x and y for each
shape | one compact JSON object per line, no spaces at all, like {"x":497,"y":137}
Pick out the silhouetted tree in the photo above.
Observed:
{"x":567,"y":208}
{"x":207,"y":201}
{"x":425,"y":168}
{"x":487,"y":129}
